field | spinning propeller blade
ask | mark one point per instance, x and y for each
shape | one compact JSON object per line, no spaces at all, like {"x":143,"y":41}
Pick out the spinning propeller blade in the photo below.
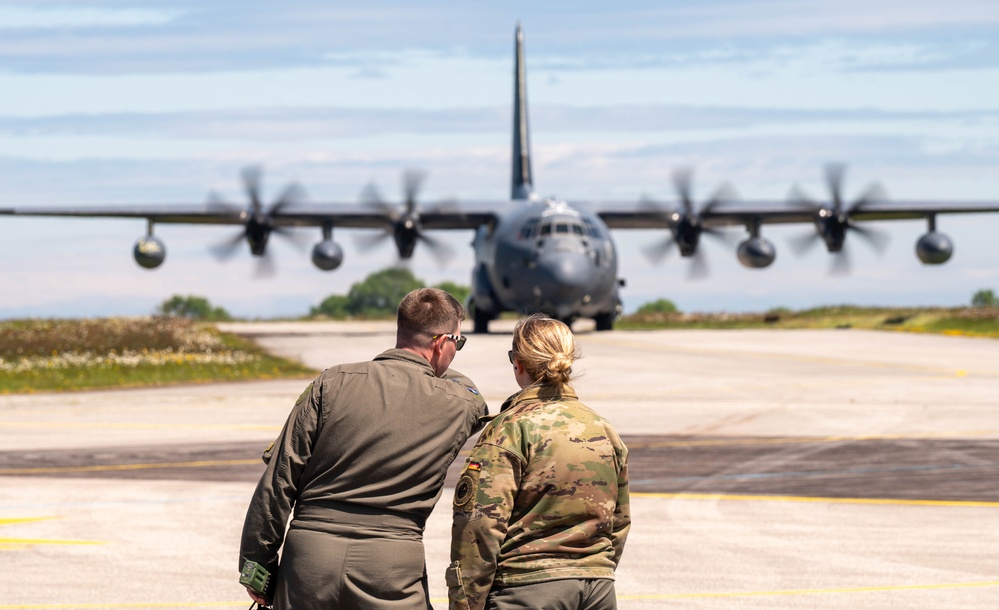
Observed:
{"x":687,"y":223}
{"x":833,"y":220}
{"x":404,"y":220}
{"x":258,"y":224}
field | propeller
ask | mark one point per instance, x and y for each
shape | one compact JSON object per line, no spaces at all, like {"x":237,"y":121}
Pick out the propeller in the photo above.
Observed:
{"x":406,"y":229}
{"x":833,"y":220}
{"x":258,"y":224}
{"x":686,"y":226}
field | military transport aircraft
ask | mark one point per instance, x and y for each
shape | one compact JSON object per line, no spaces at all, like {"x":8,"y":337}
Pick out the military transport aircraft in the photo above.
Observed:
{"x":542,"y":254}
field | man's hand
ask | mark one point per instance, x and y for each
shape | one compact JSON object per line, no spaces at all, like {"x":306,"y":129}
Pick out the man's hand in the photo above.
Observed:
{"x":256,"y":597}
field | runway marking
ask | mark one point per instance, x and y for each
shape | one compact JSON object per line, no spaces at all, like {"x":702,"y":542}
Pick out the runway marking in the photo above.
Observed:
{"x":758,"y":498}
{"x":15,"y":544}
{"x":886,"y":588}
{"x":802,"y":440}
{"x":10,"y":521}
{"x":638,"y":597}
{"x":112,"y":467}
{"x":743,"y":476}
{"x":812,"y":439}
{"x":125,"y":426}
{"x":241,"y":604}
{"x":653,"y":596}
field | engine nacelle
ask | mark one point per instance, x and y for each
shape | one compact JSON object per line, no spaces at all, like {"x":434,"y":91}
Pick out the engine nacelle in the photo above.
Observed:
{"x":934,"y":248}
{"x":327,"y":255}
{"x":149,"y":252}
{"x":756,"y":252}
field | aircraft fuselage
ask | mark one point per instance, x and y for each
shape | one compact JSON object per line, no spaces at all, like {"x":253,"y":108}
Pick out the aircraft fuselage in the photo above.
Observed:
{"x":547,"y":256}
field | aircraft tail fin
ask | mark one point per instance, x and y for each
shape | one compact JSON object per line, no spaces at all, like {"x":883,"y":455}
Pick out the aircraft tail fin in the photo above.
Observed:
{"x":522,"y":184}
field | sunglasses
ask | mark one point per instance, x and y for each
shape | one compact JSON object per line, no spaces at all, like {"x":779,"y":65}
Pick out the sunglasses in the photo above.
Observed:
{"x":459,"y":342}
{"x":510,"y":355}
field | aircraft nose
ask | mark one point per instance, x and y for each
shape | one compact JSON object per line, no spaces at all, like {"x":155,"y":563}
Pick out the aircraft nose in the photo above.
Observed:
{"x":568,"y":273}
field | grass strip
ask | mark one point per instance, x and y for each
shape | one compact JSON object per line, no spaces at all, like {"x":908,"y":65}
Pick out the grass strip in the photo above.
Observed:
{"x":69,"y":355}
{"x":965,"y":321}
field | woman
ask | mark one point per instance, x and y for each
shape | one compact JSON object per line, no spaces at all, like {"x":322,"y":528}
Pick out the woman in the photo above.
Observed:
{"x":541,"y":509}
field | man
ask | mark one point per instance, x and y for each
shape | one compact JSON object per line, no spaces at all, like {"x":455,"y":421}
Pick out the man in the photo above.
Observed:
{"x":361,"y":461}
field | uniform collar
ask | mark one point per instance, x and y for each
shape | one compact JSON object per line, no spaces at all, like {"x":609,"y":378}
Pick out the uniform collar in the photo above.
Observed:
{"x":406,"y":356}
{"x":544,"y":393}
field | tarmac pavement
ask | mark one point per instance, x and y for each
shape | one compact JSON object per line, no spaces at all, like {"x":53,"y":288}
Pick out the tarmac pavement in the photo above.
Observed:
{"x":771,"y":469}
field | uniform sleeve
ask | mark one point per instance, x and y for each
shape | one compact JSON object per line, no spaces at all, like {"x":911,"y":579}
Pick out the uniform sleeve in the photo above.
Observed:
{"x":277,"y":491}
{"x":483,"y":501}
{"x":622,"y":512}
{"x":480,"y":410}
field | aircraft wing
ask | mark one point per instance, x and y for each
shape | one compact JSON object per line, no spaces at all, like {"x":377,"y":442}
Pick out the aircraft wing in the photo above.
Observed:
{"x":646,"y":216}
{"x":297,"y":215}
{"x":467,"y":215}
{"x":899,"y":210}
{"x":158,"y":213}
{"x":617,"y":215}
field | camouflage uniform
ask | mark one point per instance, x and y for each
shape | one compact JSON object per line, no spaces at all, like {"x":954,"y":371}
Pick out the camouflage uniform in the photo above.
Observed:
{"x":359,"y":466}
{"x":543,"y":497}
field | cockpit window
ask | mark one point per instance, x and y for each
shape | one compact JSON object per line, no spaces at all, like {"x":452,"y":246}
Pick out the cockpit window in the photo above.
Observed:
{"x":560,"y":227}
{"x":529,"y":229}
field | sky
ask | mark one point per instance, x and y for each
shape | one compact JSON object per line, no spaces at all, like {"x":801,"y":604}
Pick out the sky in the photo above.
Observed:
{"x":125,"y":103}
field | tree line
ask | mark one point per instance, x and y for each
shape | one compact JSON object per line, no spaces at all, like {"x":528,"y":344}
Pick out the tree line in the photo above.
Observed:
{"x":378,"y":295}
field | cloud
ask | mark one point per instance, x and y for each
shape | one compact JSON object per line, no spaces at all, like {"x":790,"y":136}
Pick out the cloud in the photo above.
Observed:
{"x":169,"y":37}
{"x":67,"y":18}
{"x":316,"y":123}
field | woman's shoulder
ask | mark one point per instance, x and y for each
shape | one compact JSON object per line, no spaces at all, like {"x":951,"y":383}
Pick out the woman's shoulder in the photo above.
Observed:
{"x":518,"y":413}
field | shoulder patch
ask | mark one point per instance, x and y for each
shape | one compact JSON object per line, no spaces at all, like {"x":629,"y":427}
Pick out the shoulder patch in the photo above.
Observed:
{"x":305,"y":392}
{"x":466,"y":488}
{"x":470,"y":389}
{"x":464,"y":491}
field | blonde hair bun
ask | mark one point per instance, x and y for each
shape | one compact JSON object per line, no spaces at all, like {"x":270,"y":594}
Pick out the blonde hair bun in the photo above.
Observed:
{"x":546,"y":348}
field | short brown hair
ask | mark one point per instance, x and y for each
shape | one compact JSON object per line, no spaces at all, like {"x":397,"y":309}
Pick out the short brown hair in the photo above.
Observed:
{"x":426,"y":312}
{"x":546,"y":349}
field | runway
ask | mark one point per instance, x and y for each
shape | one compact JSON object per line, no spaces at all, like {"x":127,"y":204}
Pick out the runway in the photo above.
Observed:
{"x":811,"y":469}
{"x":959,"y":471}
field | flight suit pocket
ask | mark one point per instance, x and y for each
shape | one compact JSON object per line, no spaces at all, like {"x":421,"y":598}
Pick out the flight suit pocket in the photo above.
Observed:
{"x":455,"y":587}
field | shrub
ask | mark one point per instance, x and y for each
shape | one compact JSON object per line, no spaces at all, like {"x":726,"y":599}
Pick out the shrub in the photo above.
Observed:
{"x":985,"y":298}
{"x":659,"y":306}
{"x":192,"y":308}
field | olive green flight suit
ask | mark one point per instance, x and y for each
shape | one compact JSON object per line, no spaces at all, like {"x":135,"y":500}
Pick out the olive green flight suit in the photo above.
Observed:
{"x":358,"y":467}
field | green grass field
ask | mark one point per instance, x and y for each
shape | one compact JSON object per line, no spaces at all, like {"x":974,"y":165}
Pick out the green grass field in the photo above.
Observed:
{"x":963,"y":321}
{"x":60,"y":355}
